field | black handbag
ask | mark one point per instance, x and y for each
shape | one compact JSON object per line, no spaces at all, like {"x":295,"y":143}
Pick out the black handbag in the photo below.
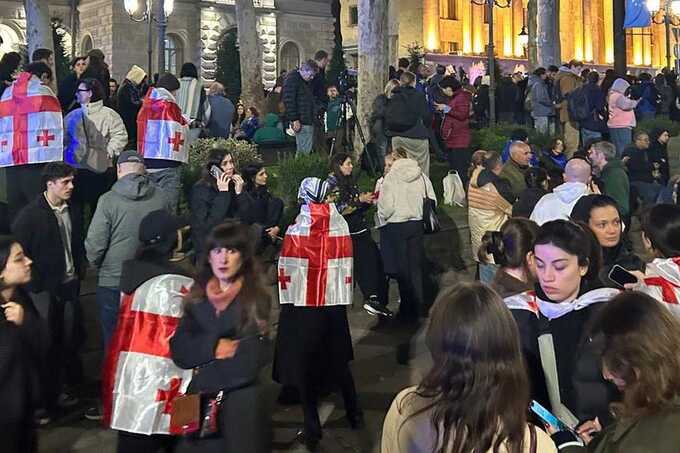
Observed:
{"x":431,"y":223}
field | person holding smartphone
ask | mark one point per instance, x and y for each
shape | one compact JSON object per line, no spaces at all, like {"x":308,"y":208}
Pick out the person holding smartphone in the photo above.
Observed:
{"x":639,"y":340}
{"x":215,"y":197}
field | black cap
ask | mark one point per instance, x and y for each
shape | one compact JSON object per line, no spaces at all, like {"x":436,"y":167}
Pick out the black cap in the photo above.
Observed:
{"x":130,"y":156}
{"x":159,"y":227}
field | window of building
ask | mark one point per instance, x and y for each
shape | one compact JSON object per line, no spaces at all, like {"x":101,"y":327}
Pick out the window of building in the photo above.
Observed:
{"x":173,"y":54}
{"x":448,"y":9}
{"x":290,"y":56}
{"x":353,"y":15}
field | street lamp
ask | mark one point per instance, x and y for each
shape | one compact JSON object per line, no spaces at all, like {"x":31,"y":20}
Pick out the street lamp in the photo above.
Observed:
{"x":490,"y":4}
{"x":669,"y":17}
{"x":523,"y":39}
{"x":165,"y":8}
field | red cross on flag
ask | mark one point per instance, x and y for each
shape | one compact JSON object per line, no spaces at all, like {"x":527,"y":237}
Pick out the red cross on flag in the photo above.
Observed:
{"x":162,"y":131}
{"x":315,"y":267}
{"x":662,"y":282}
{"x":31,"y":125}
{"x":140,"y":380}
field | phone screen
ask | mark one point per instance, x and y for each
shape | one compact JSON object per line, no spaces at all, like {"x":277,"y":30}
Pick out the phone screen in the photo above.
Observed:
{"x":621,"y":276}
{"x":547,"y":417}
{"x":216,"y":172}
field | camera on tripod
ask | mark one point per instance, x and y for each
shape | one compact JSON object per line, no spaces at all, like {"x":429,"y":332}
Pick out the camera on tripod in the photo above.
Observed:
{"x":347,"y":81}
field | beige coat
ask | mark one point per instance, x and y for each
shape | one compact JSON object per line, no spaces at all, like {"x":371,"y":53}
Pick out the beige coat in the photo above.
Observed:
{"x":487,"y":211}
{"x":405,"y":434}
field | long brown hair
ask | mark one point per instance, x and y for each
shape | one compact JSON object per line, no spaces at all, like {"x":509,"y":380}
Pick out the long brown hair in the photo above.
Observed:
{"x":254,"y":297}
{"x":478,"y":381}
{"x":640,"y":340}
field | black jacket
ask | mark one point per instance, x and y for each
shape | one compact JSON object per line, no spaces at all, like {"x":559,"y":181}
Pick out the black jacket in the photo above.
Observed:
{"x":640,"y":166}
{"x":103,"y":75}
{"x":596,"y":103}
{"x":20,"y":352}
{"x":209,"y":208}
{"x":526,"y":202}
{"x":37,"y":230}
{"x":136,"y":272}
{"x":502,"y":185}
{"x":196,"y":338}
{"x":258,"y":206}
{"x":298,"y":99}
{"x":658,"y":155}
{"x":418,"y":102}
{"x":67,"y":92}
{"x":129,"y":104}
{"x":621,"y":255}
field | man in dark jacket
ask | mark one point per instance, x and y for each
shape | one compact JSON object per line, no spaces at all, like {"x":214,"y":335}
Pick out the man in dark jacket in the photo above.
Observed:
{"x":412,"y":137}
{"x":298,"y":99}
{"x":593,"y":126}
{"x":613,"y":175}
{"x":221,"y":111}
{"x":67,"y":88}
{"x":51,"y":232}
{"x":641,"y":168}
{"x":130,"y":97}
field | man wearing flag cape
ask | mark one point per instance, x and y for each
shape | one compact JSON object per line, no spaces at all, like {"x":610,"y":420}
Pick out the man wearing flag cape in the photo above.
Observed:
{"x":31,"y":134}
{"x":140,"y":380}
{"x":313,"y":345}
{"x":162,"y":136}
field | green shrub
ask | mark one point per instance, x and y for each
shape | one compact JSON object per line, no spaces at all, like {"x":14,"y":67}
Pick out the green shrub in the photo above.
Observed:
{"x":659,"y":123}
{"x":290,"y":173}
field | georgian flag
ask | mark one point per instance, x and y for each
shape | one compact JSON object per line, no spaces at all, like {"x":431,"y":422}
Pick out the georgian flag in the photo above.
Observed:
{"x":31,"y":125}
{"x":162,"y":131}
{"x":662,"y":282}
{"x":140,"y":380}
{"x":529,"y":301}
{"x":315,"y":266}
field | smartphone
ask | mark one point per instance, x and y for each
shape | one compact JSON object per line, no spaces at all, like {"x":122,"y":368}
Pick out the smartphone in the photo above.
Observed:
{"x":621,"y":276}
{"x":216,"y":172}
{"x":548,"y":418}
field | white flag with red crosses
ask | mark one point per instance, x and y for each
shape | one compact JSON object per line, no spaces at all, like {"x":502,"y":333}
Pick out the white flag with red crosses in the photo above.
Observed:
{"x":162,"y":131}
{"x":31,"y":125}
{"x":140,"y":380}
{"x":315,"y":266}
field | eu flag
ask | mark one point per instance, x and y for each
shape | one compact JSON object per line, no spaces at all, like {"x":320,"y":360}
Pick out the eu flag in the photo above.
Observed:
{"x":637,"y":15}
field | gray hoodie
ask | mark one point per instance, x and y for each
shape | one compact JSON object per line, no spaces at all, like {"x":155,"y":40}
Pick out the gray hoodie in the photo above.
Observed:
{"x":541,"y":103}
{"x":113,"y":236}
{"x":402,"y":192}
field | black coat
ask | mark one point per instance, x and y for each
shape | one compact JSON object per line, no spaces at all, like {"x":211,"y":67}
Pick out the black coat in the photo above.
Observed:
{"x":37,"y":230}
{"x":298,"y":99}
{"x":658,"y":155}
{"x":526,"y":202}
{"x":418,"y":102}
{"x":640,"y":166}
{"x":20,"y":351}
{"x":67,"y":92}
{"x":129,"y":104}
{"x":209,"y":208}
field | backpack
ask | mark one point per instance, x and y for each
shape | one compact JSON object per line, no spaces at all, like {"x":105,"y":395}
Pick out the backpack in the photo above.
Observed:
{"x":578,"y":105}
{"x":399,"y":115}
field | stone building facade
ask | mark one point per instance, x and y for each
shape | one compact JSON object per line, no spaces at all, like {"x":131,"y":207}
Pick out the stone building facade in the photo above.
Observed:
{"x":290,"y":31}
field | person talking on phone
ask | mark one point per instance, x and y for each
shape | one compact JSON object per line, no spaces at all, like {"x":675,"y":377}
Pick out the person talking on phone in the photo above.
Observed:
{"x":601,"y":213}
{"x":476,"y":393}
{"x":552,"y":322}
{"x":215,"y":197}
{"x":639,"y":340}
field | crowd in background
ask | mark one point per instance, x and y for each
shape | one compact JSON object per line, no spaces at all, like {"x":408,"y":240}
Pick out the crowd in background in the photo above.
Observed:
{"x":549,"y":320}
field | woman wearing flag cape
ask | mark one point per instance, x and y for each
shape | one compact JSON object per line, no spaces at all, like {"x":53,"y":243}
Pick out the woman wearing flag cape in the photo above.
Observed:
{"x":314,"y":345}
{"x":553,"y":321}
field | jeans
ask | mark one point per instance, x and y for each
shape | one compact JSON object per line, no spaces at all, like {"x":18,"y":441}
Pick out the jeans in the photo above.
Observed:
{"x":168,"y":179}
{"x":304,"y":139}
{"x":108,"y":302}
{"x":541,"y":124}
{"x":620,"y":138}
{"x":648,"y":191}
{"x":589,"y":136}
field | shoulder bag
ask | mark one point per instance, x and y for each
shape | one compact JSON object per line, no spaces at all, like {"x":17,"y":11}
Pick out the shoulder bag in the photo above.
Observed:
{"x":431,"y":223}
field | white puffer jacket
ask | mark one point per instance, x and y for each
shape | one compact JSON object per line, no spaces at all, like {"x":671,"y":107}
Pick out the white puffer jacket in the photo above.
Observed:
{"x":402,"y":192}
{"x":93,"y":135}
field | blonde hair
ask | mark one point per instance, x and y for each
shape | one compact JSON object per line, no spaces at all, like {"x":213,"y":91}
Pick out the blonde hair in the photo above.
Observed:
{"x":391,"y":85}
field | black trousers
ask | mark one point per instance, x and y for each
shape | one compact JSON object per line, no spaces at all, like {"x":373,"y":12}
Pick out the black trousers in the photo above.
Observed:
{"x":61,"y":316}
{"x":403,"y":254}
{"x":459,"y":160}
{"x":141,"y":443}
{"x":89,"y":186}
{"x":24,"y":184}
{"x":18,"y":437}
{"x":368,"y":267}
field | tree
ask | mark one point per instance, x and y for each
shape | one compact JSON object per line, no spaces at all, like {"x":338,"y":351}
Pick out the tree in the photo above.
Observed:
{"x":229,"y":65}
{"x":547,"y":33}
{"x":373,"y":58}
{"x":252,"y":89}
{"x":38,"y":30}
{"x":337,"y":65}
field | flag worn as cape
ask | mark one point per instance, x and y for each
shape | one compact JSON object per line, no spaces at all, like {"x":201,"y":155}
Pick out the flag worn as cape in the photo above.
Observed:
{"x":162,"y":131}
{"x":315,"y":266}
{"x":140,"y":380}
{"x":31,"y":126}
{"x":662,"y":282}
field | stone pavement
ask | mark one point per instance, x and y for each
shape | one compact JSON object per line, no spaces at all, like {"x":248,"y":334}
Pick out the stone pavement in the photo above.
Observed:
{"x":377,"y":375}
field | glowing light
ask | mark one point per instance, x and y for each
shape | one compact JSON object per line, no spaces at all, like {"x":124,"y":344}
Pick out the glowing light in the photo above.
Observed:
{"x":675,"y":7}
{"x":131,"y":6}
{"x":653,"y":5}
{"x":169,"y":7}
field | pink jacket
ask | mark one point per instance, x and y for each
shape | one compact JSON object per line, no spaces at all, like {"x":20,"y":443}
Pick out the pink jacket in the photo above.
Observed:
{"x":621,"y":108}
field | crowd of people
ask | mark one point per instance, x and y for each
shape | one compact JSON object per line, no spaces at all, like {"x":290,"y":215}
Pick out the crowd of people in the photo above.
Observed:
{"x":564,"y":314}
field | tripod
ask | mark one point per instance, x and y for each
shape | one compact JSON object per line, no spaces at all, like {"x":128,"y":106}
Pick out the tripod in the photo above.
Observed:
{"x":342,"y":124}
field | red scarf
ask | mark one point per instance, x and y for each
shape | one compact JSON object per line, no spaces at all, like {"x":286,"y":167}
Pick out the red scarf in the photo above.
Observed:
{"x":220,"y":299}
